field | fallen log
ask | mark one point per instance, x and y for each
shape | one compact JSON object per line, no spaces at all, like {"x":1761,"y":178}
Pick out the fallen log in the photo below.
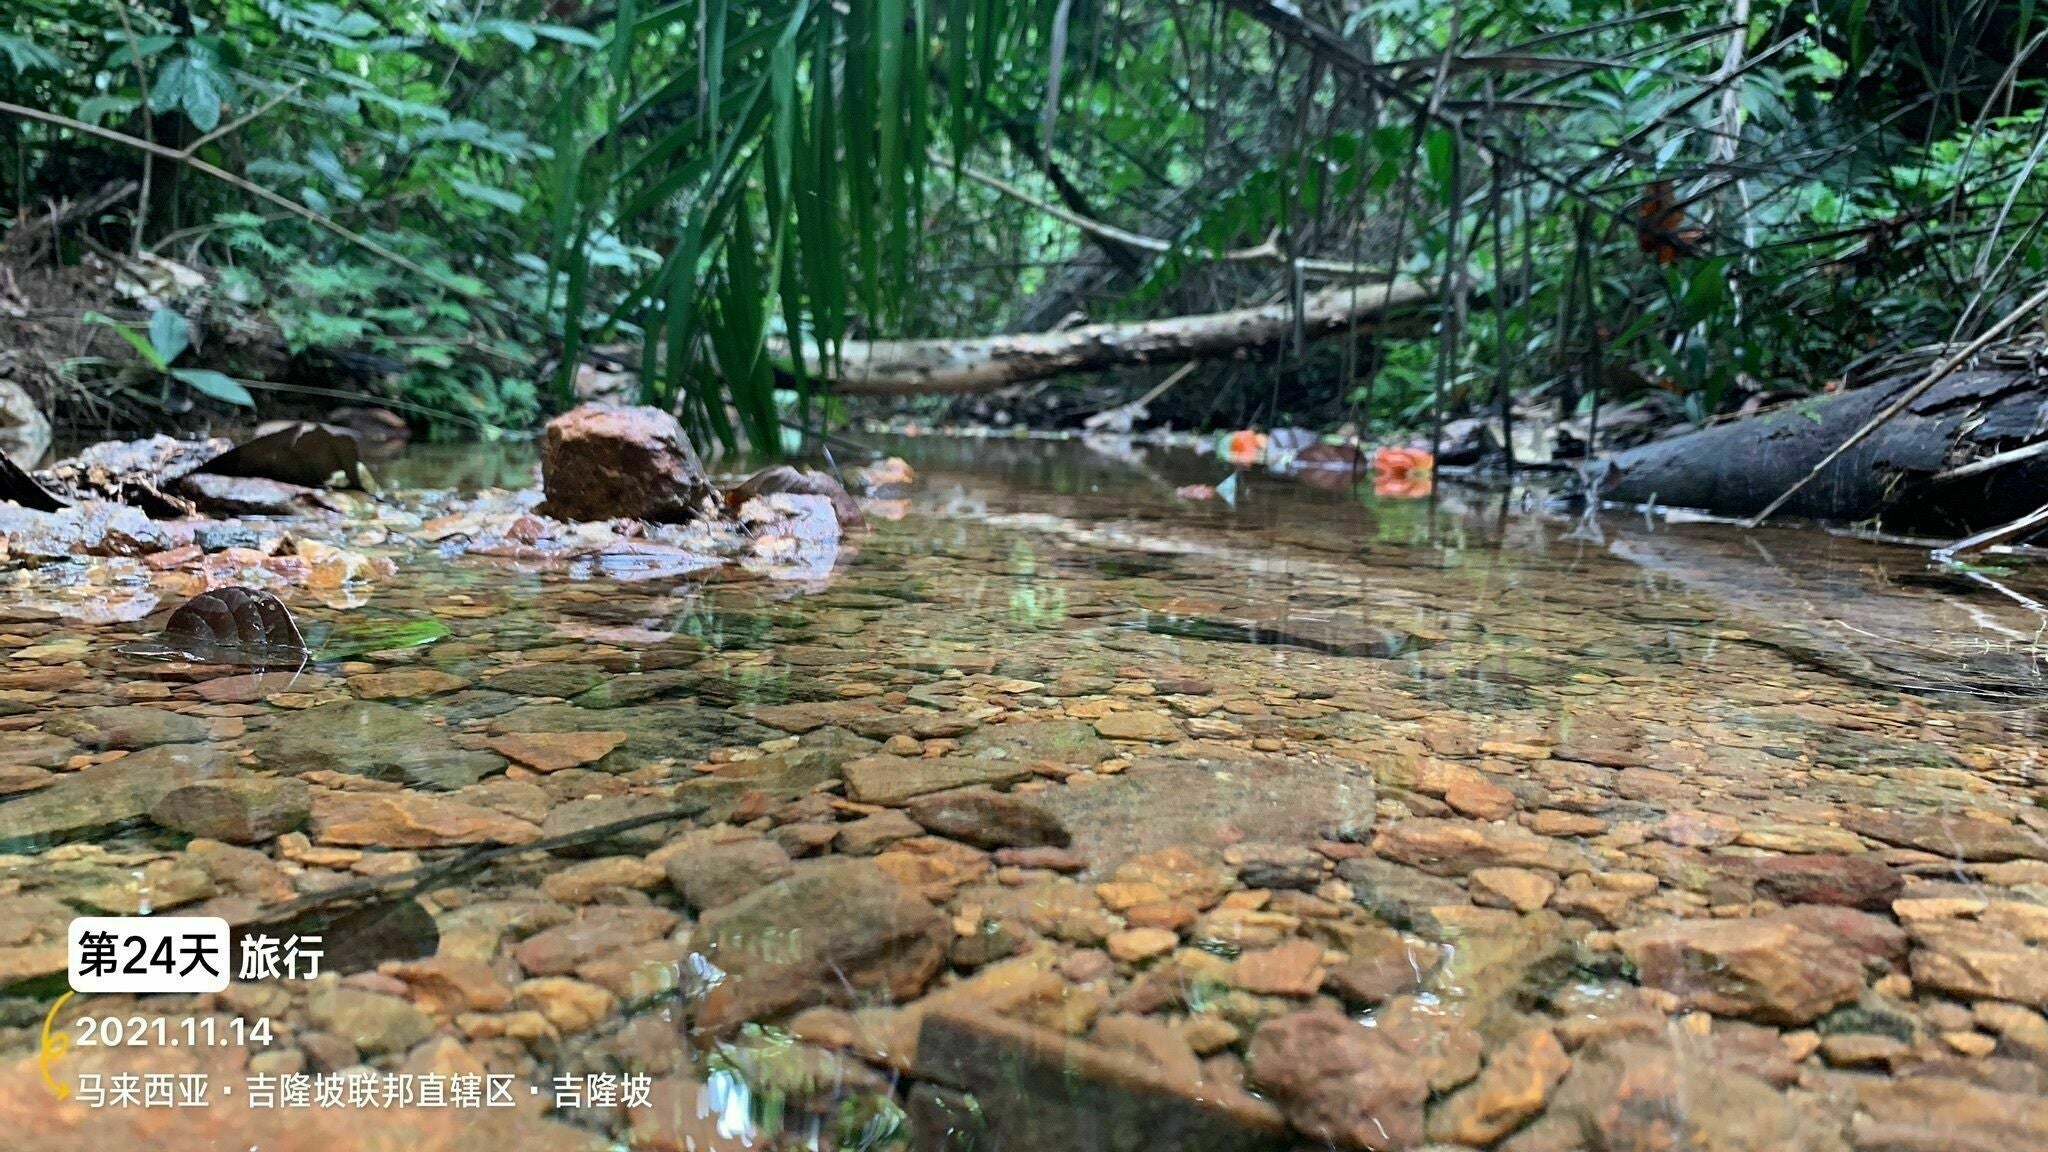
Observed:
{"x":1928,"y":468}
{"x":980,"y":364}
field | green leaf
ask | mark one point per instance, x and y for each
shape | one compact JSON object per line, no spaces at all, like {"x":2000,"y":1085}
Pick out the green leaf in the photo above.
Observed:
{"x":216,"y":385}
{"x":348,"y":641}
{"x":495,"y":197}
{"x":95,"y":109}
{"x":566,"y":35}
{"x":194,"y":83}
{"x":142,"y":347}
{"x":170,"y":334}
{"x":26,"y":55}
{"x":511,"y":31}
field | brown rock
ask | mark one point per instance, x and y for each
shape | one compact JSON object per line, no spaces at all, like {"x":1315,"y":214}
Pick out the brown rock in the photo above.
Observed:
{"x":1514,"y":1086}
{"x":1382,"y":964}
{"x":1954,"y":837}
{"x":556,"y":751}
{"x":1294,"y":968}
{"x":1339,"y":1081}
{"x":1979,"y":961}
{"x":1770,"y":968}
{"x":1139,"y":944}
{"x":1037,"y":1088}
{"x":1516,"y":888}
{"x":582,"y":883}
{"x":242,"y":810}
{"x":1943,"y":1114}
{"x":989,"y":819}
{"x":862,"y":933}
{"x":598,"y":930}
{"x":1632,"y":1096}
{"x":1475,"y":796}
{"x":373,"y":1022}
{"x":1697,"y":829}
{"x":602,"y":463}
{"x":1858,"y":881}
{"x":899,"y":779}
{"x":870,"y":834}
{"x":1456,"y":847}
{"x":711,"y":875}
{"x":410,"y":820}
{"x":450,"y":985}
{"x":405,"y":683}
{"x":1153,"y":727}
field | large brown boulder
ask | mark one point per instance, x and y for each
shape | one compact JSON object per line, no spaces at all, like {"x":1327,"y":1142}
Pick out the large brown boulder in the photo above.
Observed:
{"x":603,"y":463}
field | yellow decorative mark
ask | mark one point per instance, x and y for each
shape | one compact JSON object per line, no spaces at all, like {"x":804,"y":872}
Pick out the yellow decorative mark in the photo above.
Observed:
{"x":55,"y":1045}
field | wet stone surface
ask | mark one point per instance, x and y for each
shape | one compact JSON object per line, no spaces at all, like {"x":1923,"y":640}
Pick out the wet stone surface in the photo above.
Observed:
{"x":1052,"y":813}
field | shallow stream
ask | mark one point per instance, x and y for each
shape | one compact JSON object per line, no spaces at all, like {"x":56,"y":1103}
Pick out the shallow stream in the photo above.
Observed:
{"x":1065,"y":813}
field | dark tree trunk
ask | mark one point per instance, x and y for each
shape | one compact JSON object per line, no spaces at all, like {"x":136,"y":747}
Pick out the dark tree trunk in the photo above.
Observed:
{"x":1896,"y":475}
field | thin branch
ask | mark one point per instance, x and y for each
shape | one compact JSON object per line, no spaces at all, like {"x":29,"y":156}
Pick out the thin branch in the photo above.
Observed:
{"x":1265,"y":252}
{"x":152,"y":148}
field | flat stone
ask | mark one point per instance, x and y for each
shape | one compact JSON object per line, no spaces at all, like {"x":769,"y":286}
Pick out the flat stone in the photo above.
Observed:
{"x":557,"y":678}
{"x":1340,"y":1082}
{"x":871,"y":834}
{"x":36,"y":750}
{"x":712,"y":875}
{"x":1153,"y":727}
{"x":989,"y":819}
{"x":1293,"y":968}
{"x":1071,"y":743}
{"x":896,"y":780}
{"x":373,"y":1022}
{"x":831,"y":931}
{"x":555,"y":751}
{"x":1037,"y":1088}
{"x":1858,"y":881}
{"x":1135,"y":945}
{"x":405,"y":684}
{"x":1456,"y":847}
{"x":243,"y":810}
{"x":128,"y":726}
{"x":598,"y":811}
{"x":1516,"y":888}
{"x":596,"y":931}
{"x":1514,"y":1086}
{"x":364,"y":738}
{"x":1637,"y":1095}
{"x":99,"y":799}
{"x":1954,"y":837}
{"x":254,"y":687}
{"x":1767,"y":968}
{"x":1979,"y":961}
{"x":1262,"y":864}
{"x":410,"y":820}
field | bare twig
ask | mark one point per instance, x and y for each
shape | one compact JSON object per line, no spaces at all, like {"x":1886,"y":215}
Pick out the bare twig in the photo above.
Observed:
{"x":1266,"y":252}
{"x":1989,"y":463}
{"x":1998,"y":535}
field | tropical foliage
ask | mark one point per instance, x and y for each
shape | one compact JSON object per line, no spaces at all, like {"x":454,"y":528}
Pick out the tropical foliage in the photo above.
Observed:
{"x":1706,"y":201}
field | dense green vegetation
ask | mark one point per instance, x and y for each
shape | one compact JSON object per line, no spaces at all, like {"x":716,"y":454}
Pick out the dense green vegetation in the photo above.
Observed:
{"x":1708,"y":200}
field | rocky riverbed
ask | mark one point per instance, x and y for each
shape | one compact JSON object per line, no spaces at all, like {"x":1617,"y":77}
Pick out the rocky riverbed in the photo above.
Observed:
{"x":1047,"y":816}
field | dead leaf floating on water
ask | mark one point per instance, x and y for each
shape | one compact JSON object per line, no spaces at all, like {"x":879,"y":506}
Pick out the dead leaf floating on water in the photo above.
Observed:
{"x":241,"y":626}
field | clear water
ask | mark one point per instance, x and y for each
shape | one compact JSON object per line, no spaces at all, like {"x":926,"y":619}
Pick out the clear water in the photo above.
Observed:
{"x":1605,"y":834}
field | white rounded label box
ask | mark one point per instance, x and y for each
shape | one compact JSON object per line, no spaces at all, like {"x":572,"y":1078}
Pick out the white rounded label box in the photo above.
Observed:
{"x":149,"y":954}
